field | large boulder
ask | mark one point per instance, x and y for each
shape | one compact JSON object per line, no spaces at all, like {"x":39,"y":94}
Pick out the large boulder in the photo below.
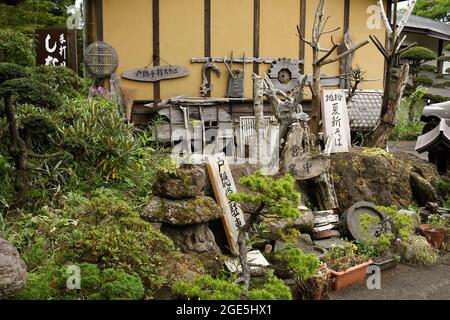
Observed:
{"x":192,"y":238}
{"x":276,"y":227}
{"x":382,"y":178}
{"x":182,"y":212}
{"x":13,"y":271}
{"x":186,"y":182}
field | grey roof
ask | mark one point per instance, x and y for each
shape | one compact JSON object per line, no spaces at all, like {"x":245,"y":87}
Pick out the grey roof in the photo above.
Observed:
{"x":426,"y":26}
{"x":364,"y":110}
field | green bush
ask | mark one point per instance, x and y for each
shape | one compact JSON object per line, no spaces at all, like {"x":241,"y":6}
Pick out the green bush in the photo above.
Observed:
{"x":50,"y":282}
{"x":16,"y":48}
{"x":447,"y":70}
{"x":417,"y":250}
{"x":428,"y":68}
{"x":407,"y":131}
{"x":418,"y":55}
{"x":208,"y":288}
{"x":9,"y":71}
{"x":424,"y":80}
{"x":111,"y":234}
{"x":302,"y":265}
{"x":61,"y":79}
{"x":31,"y":92}
{"x":435,"y":98}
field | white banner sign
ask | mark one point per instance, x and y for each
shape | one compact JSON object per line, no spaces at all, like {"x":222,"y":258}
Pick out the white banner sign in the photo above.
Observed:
{"x":223,"y":185}
{"x":335,"y":118}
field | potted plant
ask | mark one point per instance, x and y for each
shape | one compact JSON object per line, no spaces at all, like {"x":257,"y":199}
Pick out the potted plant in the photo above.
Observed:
{"x":346,"y":266}
{"x":435,"y":230}
{"x":315,"y":287}
{"x":381,"y":237}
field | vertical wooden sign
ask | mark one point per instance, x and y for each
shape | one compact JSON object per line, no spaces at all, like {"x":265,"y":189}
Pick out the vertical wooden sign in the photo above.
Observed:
{"x":335,"y":119}
{"x":223,"y":185}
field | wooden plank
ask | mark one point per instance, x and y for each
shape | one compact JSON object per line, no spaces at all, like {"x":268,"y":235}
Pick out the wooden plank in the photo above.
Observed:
{"x":242,"y":60}
{"x":307,"y":167}
{"x":302,"y":27}
{"x":207,"y":37}
{"x":99,"y":19}
{"x":256,"y":32}
{"x":223,"y":185}
{"x":156,"y":50}
{"x":156,"y":73}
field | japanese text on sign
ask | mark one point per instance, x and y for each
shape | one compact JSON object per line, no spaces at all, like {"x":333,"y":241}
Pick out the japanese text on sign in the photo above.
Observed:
{"x":223,"y":185}
{"x":52,"y":47}
{"x":335,"y":116}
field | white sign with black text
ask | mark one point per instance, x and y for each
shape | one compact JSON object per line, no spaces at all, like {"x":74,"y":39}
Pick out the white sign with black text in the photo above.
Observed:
{"x":336,"y":121}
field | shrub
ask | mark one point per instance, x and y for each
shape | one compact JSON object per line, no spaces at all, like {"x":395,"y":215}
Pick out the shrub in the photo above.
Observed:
{"x":424,"y":80}
{"x":119,"y":285}
{"x":111,"y":234}
{"x":208,"y":288}
{"x":31,"y":92}
{"x":10,"y":71}
{"x":428,"y":68}
{"x":61,"y":79}
{"x":340,"y":258}
{"x":447,"y":70}
{"x":435,"y":98}
{"x":50,"y":282}
{"x":300,"y":264}
{"x":16,"y":47}
{"x":417,"y":250}
{"x":418,"y":55}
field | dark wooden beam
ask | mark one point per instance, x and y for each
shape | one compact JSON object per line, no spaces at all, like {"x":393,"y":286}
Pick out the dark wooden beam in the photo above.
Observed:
{"x":440,"y":64}
{"x":346,"y":16}
{"x":207,"y":35}
{"x":99,"y":19}
{"x":302,"y":28}
{"x":156,"y":50}
{"x":256,"y":32}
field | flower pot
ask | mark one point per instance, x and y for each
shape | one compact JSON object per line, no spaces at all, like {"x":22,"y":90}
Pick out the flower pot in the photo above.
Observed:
{"x":344,"y":279}
{"x":434,"y":236}
{"x":386,"y":263}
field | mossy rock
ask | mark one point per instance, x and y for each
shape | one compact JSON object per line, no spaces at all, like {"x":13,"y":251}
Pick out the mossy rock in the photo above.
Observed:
{"x":182,"y":212}
{"x":383,"y":178}
{"x":186,"y":182}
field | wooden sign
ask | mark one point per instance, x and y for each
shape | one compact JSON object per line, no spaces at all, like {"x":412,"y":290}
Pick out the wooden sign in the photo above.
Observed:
{"x":156,"y":73}
{"x":308,"y":167}
{"x":223,"y":185}
{"x":335,"y":118}
{"x":56,"y":47}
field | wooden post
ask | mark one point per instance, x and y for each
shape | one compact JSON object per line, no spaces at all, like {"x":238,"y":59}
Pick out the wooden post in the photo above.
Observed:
{"x":258,"y":91}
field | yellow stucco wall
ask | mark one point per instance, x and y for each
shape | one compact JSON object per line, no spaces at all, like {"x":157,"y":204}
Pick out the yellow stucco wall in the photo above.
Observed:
{"x":128,"y":27}
{"x":181,"y":38}
{"x":368,"y":57}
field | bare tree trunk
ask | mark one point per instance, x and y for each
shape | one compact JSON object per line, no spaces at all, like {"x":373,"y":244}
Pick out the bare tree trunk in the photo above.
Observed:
{"x":19,"y":154}
{"x":384,"y":128}
{"x":243,"y":250}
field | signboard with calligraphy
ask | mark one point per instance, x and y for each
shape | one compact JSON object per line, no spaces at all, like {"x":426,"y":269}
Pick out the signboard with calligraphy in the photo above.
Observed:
{"x":335,"y":118}
{"x":223,"y":185}
{"x":156,"y":73}
{"x":56,"y":47}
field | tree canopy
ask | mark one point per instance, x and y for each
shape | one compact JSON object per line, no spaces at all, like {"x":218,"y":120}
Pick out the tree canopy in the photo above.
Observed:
{"x":28,"y":15}
{"x":433,"y":9}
